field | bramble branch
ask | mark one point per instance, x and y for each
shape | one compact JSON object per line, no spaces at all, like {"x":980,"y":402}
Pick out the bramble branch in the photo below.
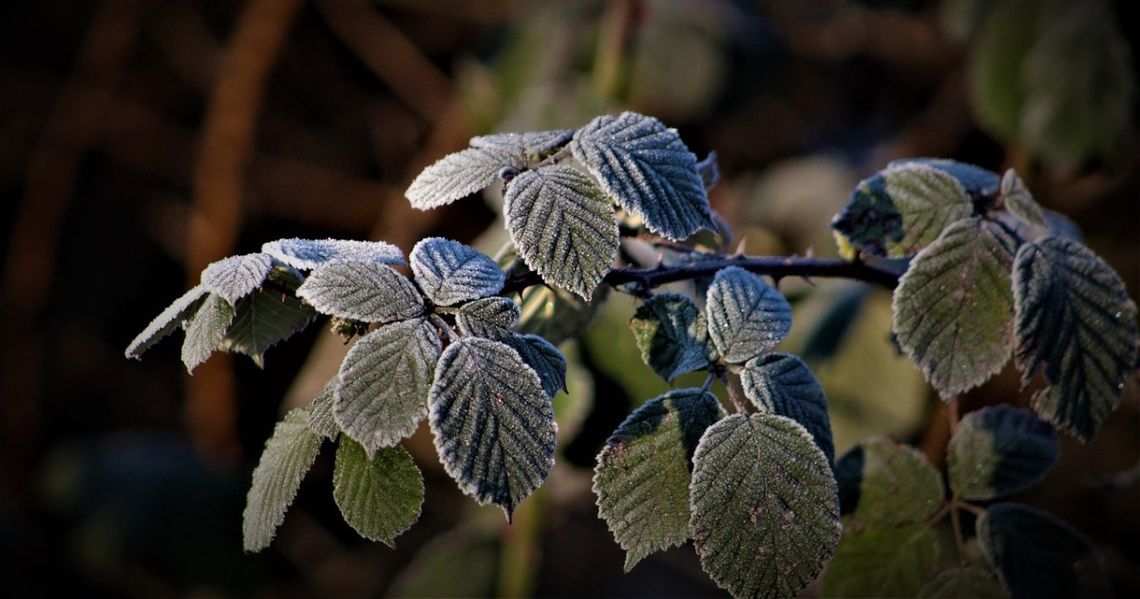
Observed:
{"x":777,"y":267}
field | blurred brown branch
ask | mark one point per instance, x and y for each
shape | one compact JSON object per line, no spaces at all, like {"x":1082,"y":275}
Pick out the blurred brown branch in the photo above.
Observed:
{"x":219,"y":187}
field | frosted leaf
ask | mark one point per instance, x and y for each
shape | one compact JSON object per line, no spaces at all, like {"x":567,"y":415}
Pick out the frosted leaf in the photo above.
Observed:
{"x":307,"y":254}
{"x":563,"y":227}
{"x":672,"y":335}
{"x":379,"y":496}
{"x":882,"y":483}
{"x":543,"y":357}
{"x":450,"y":272}
{"x":1037,"y":555}
{"x":237,"y":276}
{"x":746,"y":316}
{"x":490,"y":317}
{"x":643,"y":472}
{"x":493,"y":425}
{"x":1019,"y":202}
{"x":765,"y":514}
{"x":459,"y":175}
{"x":528,"y":146}
{"x":978,"y":182}
{"x":381,"y":396}
{"x":902,"y":209}
{"x":174,"y":316}
{"x":206,"y":331}
{"x":1076,"y":324}
{"x":647,"y":169}
{"x":782,"y":384}
{"x":953,"y":307}
{"x":262,"y":320}
{"x":361,"y":291}
{"x":321,"y":420}
{"x":999,"y":450}
{"x":288,"y":455}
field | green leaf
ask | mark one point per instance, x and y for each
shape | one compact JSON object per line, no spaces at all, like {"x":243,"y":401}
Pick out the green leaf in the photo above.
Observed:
{"x":765,"y":514}
{"x":672,"y":335}
{"x":1079,"y":83}
{"x":1019,"y":202}
{"x":468,"y":553}
{"x":556,"y":314}
{"x":493,"y":424}
{"x":953,"y":307}
{"x":883,"y":483}
{"x":978,"y":182}
{"x":643,"y":472}
{"x":1000,"y":450}
{"x":902,"y":209}
{"x":746,"y":316}
{"x":882,"y":562}
{"x":1076,"y":324}
{"x":378,"y":497}
{"x":957,"y":583}
{"x":361,"y":291}
{"x":490,"y":317}
{"x":526,"y":146}
{"x":563,"y":227}
{"x":383,"y":384}
{"x":995,"y":75}
{"x":782,"y":384}
{"x":459,"y":175}
{"x":307,"y":254}
{"x":264,"y":319}
{"x":450,"y":272}
{"x":543,"y":358}
{"x":175,"y":315}
{"x":288,"y":455}
{"x":206,"y":331}
{"x":321,"y":419}
{"x":237,"y":276}
{"x":647,"y":169}
{"x":1037,"y":555}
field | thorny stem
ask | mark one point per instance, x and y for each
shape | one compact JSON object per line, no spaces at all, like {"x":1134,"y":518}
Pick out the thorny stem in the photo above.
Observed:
{"x":776,"y":267}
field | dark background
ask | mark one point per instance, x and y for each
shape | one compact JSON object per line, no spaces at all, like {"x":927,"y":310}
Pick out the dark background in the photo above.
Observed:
{"x":140,"y":141}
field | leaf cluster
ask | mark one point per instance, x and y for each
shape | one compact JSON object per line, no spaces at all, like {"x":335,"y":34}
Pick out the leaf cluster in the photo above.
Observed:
{"x":986,"y":274}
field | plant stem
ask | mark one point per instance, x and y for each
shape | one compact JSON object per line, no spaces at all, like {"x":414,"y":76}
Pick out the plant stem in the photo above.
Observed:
{"x":776,"y":267}
{"x":959,"y":540}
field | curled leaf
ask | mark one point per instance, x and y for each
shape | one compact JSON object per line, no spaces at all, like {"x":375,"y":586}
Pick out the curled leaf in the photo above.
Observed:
{"x":1076,"y":324}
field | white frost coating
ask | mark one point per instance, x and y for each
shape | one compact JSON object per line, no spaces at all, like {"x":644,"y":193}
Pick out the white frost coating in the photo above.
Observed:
{"x":458,"y":175}
{"x":174,"y":316}
{"x":450,"y":272}
{"x":648,"y":170}
{"x":307,"y":254}
{"x":237,"y":276}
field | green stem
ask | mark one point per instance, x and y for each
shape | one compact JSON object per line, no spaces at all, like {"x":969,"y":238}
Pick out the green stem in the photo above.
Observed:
{"x":519,"y":552}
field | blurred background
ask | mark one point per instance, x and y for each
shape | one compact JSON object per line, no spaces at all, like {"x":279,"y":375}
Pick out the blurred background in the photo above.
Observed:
{"x":140,"y":141}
